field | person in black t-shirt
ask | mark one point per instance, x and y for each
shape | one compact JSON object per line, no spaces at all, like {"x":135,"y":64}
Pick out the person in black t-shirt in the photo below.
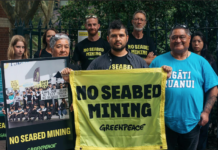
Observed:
{"x":46,"y":51}
{"x":138,"y":43}
{"x":119,"y":57}
{"x":93,"y":46}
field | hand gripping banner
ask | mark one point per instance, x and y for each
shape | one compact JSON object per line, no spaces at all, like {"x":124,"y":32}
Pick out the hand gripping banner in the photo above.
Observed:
{"x":119,"y":109}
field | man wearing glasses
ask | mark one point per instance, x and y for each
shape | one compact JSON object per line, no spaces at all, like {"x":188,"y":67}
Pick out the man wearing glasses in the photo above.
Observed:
{"x":91,"y":47}
{"x":138,"y":43}
{"x":191,"y":76}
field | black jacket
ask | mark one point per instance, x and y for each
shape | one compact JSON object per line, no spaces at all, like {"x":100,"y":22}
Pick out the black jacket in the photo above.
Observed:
{"x":103,"y":62}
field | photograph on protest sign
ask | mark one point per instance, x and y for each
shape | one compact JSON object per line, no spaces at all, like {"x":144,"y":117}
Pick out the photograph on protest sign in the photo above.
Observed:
{"x":35,"y":92}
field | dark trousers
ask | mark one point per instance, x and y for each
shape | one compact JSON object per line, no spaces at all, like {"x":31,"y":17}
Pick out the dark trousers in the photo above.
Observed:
{"x":35,"y":115}
{"x":202,"y":143}
{"x":16,"y":105}
{"x":26,"y":115}
{"x":24,"y":103}
{"x":188,"y":141}
{"x":19,"y":116}
{"x":12,"y":117}
{"x":41,"y":116}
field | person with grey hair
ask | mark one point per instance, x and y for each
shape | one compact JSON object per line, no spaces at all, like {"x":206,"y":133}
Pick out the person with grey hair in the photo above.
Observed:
{"x":60,"y":45}
{"x":138,"y":43}
{"x":191,"y":77}
{"x":93,"y":46}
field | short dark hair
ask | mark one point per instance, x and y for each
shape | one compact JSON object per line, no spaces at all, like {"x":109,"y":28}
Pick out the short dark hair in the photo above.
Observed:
{"x":116,"y":24}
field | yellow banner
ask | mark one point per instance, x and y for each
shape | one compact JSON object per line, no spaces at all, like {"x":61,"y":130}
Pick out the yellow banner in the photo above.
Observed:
{"x":119,"y":109}
{"x":15,"y":84}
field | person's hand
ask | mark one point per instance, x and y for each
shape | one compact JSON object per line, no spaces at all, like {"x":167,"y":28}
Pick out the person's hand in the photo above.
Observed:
{"x":151,"y":55}
{"x":204,"y":119}
{"x":65,"y":74}
{"x":168,"y":70}
{"x":3,"y":111}
{"x":71,"y":108}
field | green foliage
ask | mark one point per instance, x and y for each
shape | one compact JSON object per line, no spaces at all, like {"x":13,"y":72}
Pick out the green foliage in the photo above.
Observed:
{"x":158,"y":13}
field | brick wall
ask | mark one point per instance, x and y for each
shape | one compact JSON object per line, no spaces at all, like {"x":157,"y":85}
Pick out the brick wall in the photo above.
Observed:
{"x":4,"y":34}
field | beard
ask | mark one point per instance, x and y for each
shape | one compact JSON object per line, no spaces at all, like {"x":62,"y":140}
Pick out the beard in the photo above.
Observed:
{"x":118,"y":49}
{"x":138,"y":29}
{"x":93,"y":32}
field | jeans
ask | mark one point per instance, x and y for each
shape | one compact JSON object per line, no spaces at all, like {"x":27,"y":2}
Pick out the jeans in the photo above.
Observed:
{"x":64,"y":111}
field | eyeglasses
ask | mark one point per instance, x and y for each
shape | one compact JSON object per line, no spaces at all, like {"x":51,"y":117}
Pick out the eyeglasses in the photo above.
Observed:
{"x":90,"y":16}
{"x":139,"y":19}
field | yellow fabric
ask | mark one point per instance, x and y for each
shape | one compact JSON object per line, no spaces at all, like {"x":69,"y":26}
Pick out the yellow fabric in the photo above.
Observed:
{"x":119,"y":109}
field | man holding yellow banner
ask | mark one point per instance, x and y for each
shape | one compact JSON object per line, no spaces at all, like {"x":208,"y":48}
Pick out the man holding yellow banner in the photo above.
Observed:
{"x":125,"y":113}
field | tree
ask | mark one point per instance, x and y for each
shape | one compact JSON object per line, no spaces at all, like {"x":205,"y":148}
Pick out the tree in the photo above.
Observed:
{"x":24,"y":10}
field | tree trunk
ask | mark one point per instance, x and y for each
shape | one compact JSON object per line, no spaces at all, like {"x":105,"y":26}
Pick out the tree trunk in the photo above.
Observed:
{"x":20,"y":11}
{"x":47,"y":10}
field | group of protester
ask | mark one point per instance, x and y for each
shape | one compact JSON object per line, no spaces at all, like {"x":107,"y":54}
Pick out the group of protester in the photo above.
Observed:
{"x":35,"y":111}
{"x":191,"y":88}
{"x":29,"y":102}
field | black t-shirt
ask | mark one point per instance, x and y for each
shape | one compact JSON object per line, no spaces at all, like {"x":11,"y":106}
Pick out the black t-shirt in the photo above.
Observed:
{"x":120,"y":63}
{"x":140,"y":47}
{"x":74,"y":67}
{"x":44,"y":54}
{"x":86,"y":51}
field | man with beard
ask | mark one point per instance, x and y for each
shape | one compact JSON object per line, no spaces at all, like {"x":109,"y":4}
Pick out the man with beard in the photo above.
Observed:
{"x":91,"y":47}
{"x":119,"y":57}
{"x":138,"y":43}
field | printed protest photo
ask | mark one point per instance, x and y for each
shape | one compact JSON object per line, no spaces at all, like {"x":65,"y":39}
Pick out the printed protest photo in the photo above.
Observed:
{"x":35,"y":92}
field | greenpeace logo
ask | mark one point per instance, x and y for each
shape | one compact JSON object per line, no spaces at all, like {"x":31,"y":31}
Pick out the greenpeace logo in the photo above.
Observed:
{"x":43,"y":147}
{"x":2,"y":135}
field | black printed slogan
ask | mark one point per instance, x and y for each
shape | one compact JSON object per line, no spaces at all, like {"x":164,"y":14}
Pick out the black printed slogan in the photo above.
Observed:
{"x":86,"y":51}
{"x":120,"y":63}
{"x":140,"y":47}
